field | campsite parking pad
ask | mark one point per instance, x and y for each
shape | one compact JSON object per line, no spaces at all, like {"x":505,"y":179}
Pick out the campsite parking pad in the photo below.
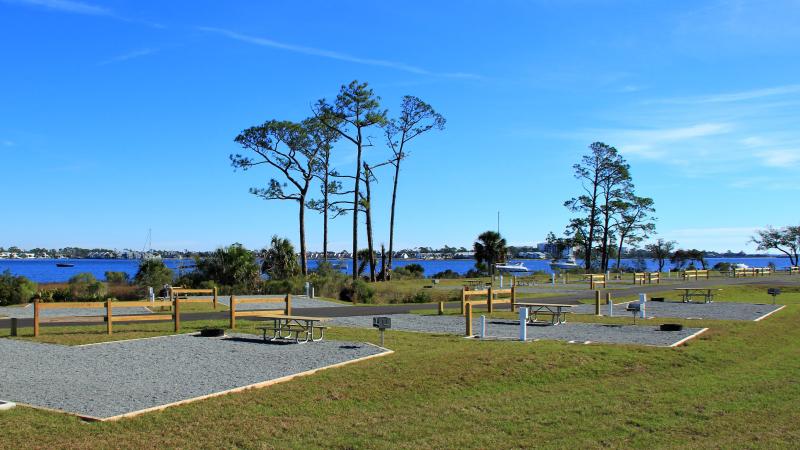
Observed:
{"x":509,"y":329}
{"x":26,"y":312}
{"x":691,"y":310}
{"x":297,"y":302}
{"x":116,"y":378}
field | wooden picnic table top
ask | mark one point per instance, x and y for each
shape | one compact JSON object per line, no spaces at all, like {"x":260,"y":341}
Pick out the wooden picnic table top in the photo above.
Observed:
{"x":696,"y":289}
{"x":306,"y":318}
{"x":543,"y":304}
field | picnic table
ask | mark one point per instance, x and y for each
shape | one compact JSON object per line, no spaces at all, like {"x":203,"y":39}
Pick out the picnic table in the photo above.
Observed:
{"x":302,"y":327}
{"x":688,"y":293}
{"x":557,"y":312}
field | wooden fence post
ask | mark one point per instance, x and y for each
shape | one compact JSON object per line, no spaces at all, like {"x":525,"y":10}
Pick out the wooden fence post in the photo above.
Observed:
{"x":441,"y":308}
{"x":215,"y":297}
{"x":288,"y":309}
{"x":36,"y":317}
{"x":489,"y":305}
{"x":109,"y":317}
{"x":513,"y":297}
{"x":13,"y":326}
{"x":232,"y":310}
{"x":597,"y":303}
{"x":468,"y":318}
{"x":463,"y":300}
{"x":176,"y":315}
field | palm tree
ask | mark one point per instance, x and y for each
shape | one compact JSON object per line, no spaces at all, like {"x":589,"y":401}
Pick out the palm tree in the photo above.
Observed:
{"x":280,"y":260}
{"x":490,"y":247}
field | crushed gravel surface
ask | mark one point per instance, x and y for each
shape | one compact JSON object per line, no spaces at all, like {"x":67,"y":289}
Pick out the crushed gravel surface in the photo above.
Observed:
{"x":692,"y":310}
{"x":114,"y":378}
{"x":505,"y":329}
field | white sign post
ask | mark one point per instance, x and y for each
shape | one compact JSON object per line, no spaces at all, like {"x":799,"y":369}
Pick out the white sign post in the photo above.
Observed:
{"x":523,"y":324}
{"x":642,"y":301}
{"x":482,"y":329}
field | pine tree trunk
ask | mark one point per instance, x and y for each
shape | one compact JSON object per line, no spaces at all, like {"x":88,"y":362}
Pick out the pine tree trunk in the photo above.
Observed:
{"x":368,"y":212}
{"x":388,"y":270}
{"x":355,"y":205}
{"x":303,"y":259}
{"x":325,"y":205}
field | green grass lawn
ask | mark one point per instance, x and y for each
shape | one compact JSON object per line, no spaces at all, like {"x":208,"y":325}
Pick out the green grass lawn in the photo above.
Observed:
{"x":735,"y":386}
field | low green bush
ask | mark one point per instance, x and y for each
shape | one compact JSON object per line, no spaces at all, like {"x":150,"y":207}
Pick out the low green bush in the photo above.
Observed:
{"x":359,"y":290}
{"x":117,"y":277}
{"x":15,"y":290}
{"x":84,"y":286}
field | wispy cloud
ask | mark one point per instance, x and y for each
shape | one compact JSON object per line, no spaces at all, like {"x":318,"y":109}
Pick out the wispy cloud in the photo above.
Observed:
{"x":264,"y":42}
{"x":77,"y":7}
{"x":729,"y":97}
{"x":654,"y":143}
{"x":66,"y":6}
{"x":7,"y":143}
{"x":129,"y":55}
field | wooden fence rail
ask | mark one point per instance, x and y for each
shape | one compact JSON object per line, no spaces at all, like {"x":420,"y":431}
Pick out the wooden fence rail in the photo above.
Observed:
{"x":109,"y":316}
{"x":491,"y":298}
{"x":596,"y":280}
{"x":695,"y":274}
{"x":233,"y":313}
{"x":184,"y":294}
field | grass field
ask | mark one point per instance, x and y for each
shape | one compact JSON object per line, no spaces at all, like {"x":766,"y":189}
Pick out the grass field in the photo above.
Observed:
{"x":735,"y":386}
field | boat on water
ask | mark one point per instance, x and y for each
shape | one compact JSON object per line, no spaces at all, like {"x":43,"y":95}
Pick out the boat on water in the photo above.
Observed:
{"x":509,"y":267}
{"x":740,"y":266}
{"x":564,"y":264}
{"x":65,"y":265}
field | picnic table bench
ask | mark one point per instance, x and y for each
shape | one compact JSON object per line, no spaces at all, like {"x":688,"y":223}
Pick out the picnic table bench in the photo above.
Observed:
{"x":302,"y":327}
{"x":557,"y":312}
{"x":706,"y":294}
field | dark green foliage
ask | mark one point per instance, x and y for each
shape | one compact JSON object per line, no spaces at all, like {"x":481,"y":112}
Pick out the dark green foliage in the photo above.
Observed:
{"x":723,"y":266}
{"x":84,"y":286}
{"x":15,"y":290}
{"x":153,"y":273}
{"x":357,"y":290}
{"x":447,"y":275}
{"x":233,"y":266}
{"x":409,"y":271}
{"x":280,"y":260}
{"x":117,"y":277}
{"x":490,"y":248}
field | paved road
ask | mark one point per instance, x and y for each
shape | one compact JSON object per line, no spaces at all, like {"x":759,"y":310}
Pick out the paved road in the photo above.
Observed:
{"x":572,"y":298}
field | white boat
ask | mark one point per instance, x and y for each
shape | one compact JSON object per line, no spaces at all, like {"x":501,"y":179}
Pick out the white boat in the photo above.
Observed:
{"x":739,"y":266}
{"x":509,"y":267}
{"x":564,"y":264}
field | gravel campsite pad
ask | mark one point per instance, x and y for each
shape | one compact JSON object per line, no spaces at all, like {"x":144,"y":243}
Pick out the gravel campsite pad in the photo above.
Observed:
{"x":297,"y":302}
{"x":26,"y":312}
{"x":115,"y":378}
{"x":508,"y":329}
{"x":691,"y":310}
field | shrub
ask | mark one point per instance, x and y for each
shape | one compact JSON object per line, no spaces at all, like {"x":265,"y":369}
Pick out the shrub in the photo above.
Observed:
{"x":723,"y":266}
{"x":359,"y":290}
{"x":117,"y":277}
{"x":409,"y":271}
{"x":420,"y":297}
{"x":154,"y":273}
{"x":447,"y":275}
{"x":84,"y":286}
{"x":15,"y":290}
{"x":233,"y":266}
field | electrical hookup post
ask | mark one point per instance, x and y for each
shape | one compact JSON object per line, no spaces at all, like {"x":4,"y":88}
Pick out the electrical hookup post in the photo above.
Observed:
{"x":642,"y":301}
{"x":382,"y":324}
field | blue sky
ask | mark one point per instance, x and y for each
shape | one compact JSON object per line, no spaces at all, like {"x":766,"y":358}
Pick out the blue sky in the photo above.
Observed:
{"x":117,"y":117}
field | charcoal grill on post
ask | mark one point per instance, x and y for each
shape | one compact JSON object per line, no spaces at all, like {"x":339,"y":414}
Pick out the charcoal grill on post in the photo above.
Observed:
{"x":634,"y":308}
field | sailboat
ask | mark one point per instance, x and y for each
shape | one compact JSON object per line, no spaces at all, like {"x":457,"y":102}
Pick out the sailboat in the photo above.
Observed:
{"x":147,"y":249}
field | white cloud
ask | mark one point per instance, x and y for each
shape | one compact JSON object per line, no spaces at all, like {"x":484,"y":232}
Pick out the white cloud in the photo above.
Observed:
{"x":77,"y":7}
{"x":780,"y":157}
{"x":652,"y":143}
{"x":127,"y":56}
{"x":66,"y":6}
{"x":729,"y":97}
{"x":264,"y":42}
